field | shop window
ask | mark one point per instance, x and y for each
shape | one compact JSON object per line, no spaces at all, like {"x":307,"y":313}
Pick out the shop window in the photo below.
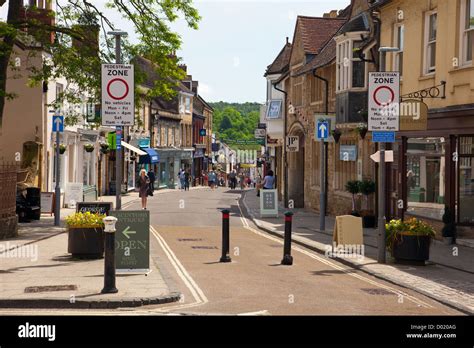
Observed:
{"x":466,"y":180}
{"x":425,"y":177}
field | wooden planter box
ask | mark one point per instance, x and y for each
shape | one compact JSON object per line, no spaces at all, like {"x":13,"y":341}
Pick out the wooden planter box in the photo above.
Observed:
{"x":411,"y":249}
{"x":86,"y":243}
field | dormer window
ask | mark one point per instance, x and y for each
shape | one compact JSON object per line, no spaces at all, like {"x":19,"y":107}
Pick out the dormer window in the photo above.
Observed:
{"x":185,"y":105}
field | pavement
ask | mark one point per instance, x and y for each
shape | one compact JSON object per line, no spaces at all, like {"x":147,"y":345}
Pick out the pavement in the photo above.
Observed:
{"x":37,"y":272}
{"x":447,"y":277}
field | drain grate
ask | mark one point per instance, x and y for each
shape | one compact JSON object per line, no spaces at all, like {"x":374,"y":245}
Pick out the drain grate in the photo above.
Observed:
{"x":189,"y":239}
{"x":378,"y":292}
{"x":203,"y":247}
{"x":50,"y":288}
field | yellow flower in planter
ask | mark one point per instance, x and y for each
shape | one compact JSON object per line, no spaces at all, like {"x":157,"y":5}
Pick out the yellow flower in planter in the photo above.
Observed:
{"x":85,"y":220}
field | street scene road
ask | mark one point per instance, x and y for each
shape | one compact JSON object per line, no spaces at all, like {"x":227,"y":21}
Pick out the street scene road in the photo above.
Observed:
{"x":186,"y":244}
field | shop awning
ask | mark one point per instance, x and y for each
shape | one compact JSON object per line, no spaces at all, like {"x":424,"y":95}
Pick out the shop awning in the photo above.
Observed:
{"x":133,"y":148}
{"x":150,"y":157}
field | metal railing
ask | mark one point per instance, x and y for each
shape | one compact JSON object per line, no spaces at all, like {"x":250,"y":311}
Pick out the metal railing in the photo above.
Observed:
{"x":8,"y":181}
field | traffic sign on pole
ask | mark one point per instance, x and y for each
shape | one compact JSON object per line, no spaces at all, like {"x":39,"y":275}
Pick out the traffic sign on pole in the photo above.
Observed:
{"x":58,"y":124}
{"x":323,"y":130}
{"x":118,"y":95}
{"x":383,"y":137}
{"x":384,"y":101}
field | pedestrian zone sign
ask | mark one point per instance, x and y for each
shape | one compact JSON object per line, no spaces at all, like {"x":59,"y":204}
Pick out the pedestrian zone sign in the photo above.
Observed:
{"x":118,"y":95}
{"x":384,"y":101}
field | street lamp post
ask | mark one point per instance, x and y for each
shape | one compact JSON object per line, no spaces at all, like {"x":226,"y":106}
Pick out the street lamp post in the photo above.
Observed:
{"x":118,"y":158}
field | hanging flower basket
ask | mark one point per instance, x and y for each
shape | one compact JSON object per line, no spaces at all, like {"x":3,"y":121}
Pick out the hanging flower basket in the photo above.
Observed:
{"x":88,"y":147}
{"x":62,"y":148}
{"x":104,"y":148}
{"x":336,"y":135}
{"x":362,"y":130}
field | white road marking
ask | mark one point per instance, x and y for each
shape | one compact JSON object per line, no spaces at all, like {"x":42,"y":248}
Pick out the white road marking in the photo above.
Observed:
{"x":348,"y":271}
{"x":195,"y":290}
{"x":264,"y":312}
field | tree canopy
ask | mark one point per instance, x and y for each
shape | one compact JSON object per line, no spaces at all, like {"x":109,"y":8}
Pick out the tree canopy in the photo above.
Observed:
{"x":235,"y":121}
{"x":74,"y":51}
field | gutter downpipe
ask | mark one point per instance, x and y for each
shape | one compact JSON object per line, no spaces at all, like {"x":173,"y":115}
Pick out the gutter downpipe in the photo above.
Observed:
{"x":285,"y":159}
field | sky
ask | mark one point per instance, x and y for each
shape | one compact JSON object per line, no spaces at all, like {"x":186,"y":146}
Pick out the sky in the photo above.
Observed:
{"x":235,"y":42}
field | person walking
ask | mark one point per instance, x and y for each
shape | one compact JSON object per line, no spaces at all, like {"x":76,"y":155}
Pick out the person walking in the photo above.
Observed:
{"x":187,"y":178}
{"x":143,"y":187}
{"x":269,"y":181}
{"x":212,"y":178}
{"x":182,"y":178}
{"x":152,"y":178}
{"x":259,"y":184}
{"x":233,"y":179}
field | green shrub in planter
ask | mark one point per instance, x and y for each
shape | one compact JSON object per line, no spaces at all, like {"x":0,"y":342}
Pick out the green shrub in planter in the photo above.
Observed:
{"x":353,"y":187}
{"x":409,"y":241}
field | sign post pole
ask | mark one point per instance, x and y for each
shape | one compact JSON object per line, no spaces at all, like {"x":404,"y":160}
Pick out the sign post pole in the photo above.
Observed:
{"x":322,"y":132}
{"x":119,"y":154}
{"x":381,"y":209}
{"x":57,"y":190}
{"x":58,"y":127}
{"x":384,"y":93}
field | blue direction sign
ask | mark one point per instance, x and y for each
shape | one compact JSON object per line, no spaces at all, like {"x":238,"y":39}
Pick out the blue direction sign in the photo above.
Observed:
{"x":58,"y":124}
{"x":323,"y":130}
{"x":383,"y":137}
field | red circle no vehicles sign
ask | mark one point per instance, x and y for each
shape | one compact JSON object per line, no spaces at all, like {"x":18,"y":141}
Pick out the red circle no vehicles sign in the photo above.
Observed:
{"x":118,"y":89}
{"x":384,"y":95}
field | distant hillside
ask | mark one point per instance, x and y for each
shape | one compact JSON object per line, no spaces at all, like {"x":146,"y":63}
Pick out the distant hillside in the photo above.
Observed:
{"x":235,"y":120}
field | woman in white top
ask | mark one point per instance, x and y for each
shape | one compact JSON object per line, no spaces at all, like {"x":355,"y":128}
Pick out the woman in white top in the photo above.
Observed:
{"x":269,"y":181}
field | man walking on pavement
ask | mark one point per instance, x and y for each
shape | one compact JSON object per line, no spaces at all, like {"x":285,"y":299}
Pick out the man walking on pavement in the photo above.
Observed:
{"x":181,"y":178}
{"x":152,"y":178}
{"x":187,"y":178}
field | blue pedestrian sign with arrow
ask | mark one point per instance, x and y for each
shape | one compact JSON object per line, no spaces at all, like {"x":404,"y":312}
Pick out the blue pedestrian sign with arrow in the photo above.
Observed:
{"x":58,"y":124}
{"x":323,"y":130}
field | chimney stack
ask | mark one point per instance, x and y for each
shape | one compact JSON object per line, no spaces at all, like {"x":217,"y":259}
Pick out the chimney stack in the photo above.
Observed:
{"x":41,"y":11}
{"x":331,"y":14}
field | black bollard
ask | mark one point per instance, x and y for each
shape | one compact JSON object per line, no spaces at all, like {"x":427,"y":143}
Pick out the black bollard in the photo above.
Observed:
{"x":225,"y":237}
{"x":287,"y":258}
{"x":109,"y":262}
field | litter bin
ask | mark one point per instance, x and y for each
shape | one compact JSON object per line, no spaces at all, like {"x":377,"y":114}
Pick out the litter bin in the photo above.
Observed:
{"x":33,"y":198}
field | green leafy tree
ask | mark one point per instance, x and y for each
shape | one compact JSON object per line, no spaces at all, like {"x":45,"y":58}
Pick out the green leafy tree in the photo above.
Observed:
{"x":75,"y":53}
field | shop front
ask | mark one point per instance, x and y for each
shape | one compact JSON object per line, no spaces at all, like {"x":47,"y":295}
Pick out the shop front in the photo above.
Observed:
{"x":434,"y":169}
